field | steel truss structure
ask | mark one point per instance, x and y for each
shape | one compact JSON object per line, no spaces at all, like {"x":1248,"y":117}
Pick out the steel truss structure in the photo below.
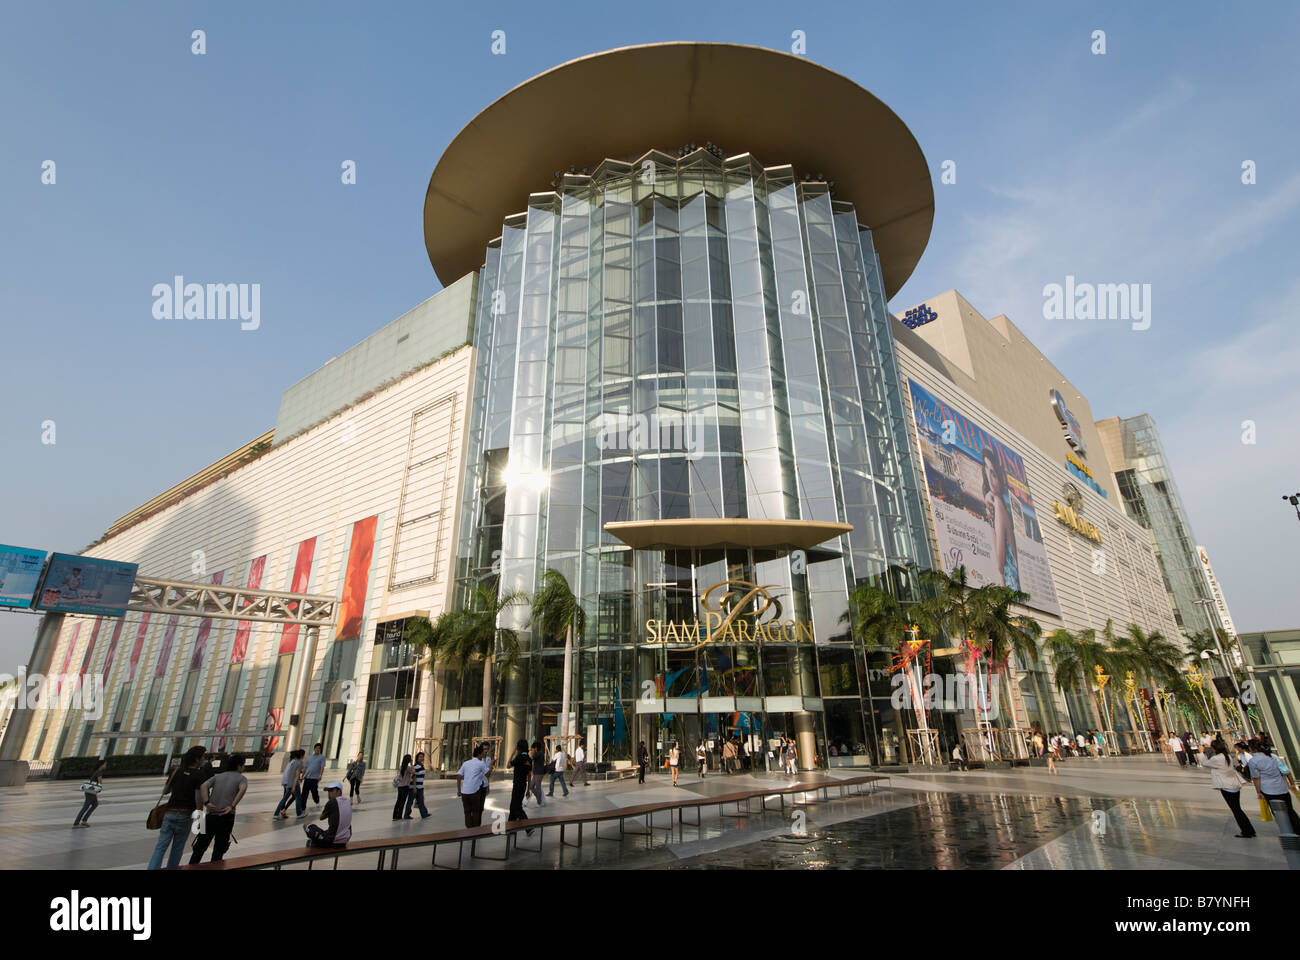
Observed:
{"x":149,"y":595}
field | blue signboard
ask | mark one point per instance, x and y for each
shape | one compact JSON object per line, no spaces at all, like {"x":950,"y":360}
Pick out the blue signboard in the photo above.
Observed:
{"x":20,"y":571}
{"x":76,"y":584}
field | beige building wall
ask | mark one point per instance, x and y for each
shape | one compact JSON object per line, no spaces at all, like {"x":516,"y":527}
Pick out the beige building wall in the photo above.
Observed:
{"x":317,"y":485}
{"x":991,"y":373}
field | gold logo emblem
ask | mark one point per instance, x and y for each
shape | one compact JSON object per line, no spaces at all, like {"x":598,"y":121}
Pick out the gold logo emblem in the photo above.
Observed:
{"x":733,"y":596}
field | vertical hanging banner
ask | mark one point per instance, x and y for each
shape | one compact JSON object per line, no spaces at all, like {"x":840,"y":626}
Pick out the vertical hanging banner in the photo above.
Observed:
{"x":90,"y":652}
{"x":112,"y":649}
{"x":169,"y":637}
{"x":301,"y":577}
{"x":205,"y":630}
{"x":138,"y":646}
{"x":356,"y":579}
{"x":61,"y":677}
{"x":255,"y":570}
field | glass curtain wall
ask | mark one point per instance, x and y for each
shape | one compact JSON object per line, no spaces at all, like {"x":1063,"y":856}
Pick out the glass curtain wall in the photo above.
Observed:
{"x":677,"y":337}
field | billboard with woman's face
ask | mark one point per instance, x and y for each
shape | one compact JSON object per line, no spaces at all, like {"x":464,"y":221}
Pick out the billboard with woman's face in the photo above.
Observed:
{"x":984,"y":517}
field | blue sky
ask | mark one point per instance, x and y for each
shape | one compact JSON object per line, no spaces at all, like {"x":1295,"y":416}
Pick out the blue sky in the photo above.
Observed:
{"x":225,"y":168}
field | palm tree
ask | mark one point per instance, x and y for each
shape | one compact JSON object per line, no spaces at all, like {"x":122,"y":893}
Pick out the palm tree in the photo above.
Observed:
{"x":557,"y":612}
{"x":1075,"y":658}
{"x":875,"y":617}
{"x":1003,"y":634}
{"x":470,"y":632}
{"x":1153,"y":658}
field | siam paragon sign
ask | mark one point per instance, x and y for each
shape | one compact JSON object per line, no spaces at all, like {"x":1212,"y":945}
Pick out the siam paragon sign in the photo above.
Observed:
{"x":726,"y":619}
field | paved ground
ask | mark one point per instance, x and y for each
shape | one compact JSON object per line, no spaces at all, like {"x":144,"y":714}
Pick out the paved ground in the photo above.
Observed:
{"x":1157,"y":816}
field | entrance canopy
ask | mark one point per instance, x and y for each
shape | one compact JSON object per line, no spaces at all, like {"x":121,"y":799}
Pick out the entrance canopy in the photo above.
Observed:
{"x":743,"y":532}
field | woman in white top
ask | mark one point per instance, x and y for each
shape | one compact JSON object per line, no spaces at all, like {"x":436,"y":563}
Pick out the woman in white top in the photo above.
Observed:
{"x":1229,"y":783}
{"x":674,"y":755}
{"x":701,"y":757}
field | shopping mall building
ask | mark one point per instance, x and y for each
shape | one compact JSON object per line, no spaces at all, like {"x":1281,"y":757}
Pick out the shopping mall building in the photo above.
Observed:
{"x":662,"y":364}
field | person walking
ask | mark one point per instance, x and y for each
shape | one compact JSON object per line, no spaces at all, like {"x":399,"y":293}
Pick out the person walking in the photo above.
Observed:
{"x":338,"y":812}
{"x":289,"y":779}
{"x":403,"y":784}
{"x":1228,"y":782}
{"x":1188,"y":740}
{"x":1100,"y":741}
{"x":1176,"y":745}
{"x":311,"y":775}
{"x":791,"y":758}
{"x":701,"y":757}
{"x":538,"y":760}
{"x":471,"y":786}
{"x":557,"y":770}
{"x":1266,"y":773}
{"x":580,"y":764}
{"x":728,"y":756}
{"x":219,"y":796}
{"x":522,"y":766}
{"x":642,"y":761}
{"x":90,"y":791}
{"x":416,"y":794}
{"x":183,"y":785}
{"x":674,"y":760}
{"x":356,"y":770}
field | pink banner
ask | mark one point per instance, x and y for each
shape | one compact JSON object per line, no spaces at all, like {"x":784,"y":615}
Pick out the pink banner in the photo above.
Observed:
{"x":169,"y":636}
{"x":138,"y":646}
{"x":272,"y":723}
{"x":61,"y":676}
{"x":240,"y":649}
{"x":112,"y":649}
{"x":205,"y":629}
{"x":90,"y":647}
{"x":301,"y":577}
{"x":223,"y":723}
{"x":356,"y":579}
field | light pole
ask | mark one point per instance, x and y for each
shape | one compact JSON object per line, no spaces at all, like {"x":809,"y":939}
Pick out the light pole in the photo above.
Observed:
{"x":1294,"y":500}
{"x":1205,"y":605}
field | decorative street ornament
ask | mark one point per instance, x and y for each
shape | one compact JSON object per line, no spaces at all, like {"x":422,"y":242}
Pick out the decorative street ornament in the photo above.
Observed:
{"x":1102,"y":677}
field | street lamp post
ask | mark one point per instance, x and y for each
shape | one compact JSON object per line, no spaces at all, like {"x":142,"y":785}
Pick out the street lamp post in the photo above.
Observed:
{"x":1294,"y":500}
{"x":1227,"y":668}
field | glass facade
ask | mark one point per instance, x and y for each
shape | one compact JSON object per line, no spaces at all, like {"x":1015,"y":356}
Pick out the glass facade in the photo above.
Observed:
{"x":1146,"y":485}
{"x":689,"y":337}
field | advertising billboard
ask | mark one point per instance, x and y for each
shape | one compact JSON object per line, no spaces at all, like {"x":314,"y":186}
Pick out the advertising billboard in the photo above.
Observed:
{"x":20,"y":571}
{"x":75,"y":584}
{"x":984,"y":516}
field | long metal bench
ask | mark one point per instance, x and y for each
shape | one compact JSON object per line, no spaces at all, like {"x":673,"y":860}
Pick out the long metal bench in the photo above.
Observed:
{"x":383,"y":847}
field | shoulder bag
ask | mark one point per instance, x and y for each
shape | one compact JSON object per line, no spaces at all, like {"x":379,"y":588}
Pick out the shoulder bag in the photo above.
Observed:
{"x":155,"y":818}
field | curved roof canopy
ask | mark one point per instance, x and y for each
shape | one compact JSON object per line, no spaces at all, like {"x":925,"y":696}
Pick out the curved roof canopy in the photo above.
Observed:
{"x":732,"y":532}
{"x":781,"y":108}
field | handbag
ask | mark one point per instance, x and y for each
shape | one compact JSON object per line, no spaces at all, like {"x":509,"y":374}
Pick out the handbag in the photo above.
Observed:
{"x":550,"y":767}
{"x":1265,"y":811}
{"x":155,"y":818}
{"x":397,"y":782}
{"x":90,"y":786}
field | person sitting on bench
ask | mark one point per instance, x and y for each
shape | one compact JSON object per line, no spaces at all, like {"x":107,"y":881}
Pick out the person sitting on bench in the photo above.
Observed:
{"x":339,"y":813}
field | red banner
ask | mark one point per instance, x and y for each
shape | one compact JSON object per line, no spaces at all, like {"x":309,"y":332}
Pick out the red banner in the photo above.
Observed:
{"x":139,"y":645}
{"x":223,"y":723}
{"x":67,"y":654}
{"x":90,"y":652}
{"x":1148,"y":708}
{"x":301,"y":577}
{"x":357,"y":578}
{"x":240,"y":649}
{"x":112,"y":649}
{"x":165,"y":654}
{"x":205,"y":629}
{"x":272,"y":723}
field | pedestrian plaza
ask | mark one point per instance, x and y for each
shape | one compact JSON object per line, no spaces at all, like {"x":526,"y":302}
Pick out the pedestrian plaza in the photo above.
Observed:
{"x":1156,"y":817}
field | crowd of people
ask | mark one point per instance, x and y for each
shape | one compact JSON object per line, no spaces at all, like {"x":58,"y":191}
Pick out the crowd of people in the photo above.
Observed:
{"x":197,"y":792}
